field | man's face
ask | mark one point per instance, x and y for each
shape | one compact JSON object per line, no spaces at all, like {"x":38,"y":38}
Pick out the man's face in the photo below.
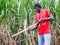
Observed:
{"x":37,"y":9}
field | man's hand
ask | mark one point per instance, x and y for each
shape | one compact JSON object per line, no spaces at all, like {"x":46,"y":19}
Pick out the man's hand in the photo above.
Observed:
{"x":43,"y":19}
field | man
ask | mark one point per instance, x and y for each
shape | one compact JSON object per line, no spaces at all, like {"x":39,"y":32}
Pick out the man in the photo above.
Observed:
{"x":43,"y":17}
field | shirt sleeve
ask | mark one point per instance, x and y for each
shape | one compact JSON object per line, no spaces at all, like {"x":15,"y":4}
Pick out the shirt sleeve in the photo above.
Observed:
{"x":47,"y":12}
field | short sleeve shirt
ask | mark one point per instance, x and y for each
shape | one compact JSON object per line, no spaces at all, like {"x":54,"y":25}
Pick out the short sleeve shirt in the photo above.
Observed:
{"x":43,"y":27}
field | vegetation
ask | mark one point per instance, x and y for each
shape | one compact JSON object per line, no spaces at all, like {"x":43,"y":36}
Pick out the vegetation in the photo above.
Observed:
{"x":17,"y":15}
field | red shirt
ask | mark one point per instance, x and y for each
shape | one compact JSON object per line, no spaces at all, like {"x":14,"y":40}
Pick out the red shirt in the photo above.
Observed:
{"x":43,"y":27}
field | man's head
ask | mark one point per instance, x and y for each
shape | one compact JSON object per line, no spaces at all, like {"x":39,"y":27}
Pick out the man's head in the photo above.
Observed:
{"x":37,"y":7}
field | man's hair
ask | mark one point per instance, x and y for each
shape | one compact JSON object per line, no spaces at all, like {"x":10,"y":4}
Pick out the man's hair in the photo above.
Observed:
{"x":37,"y":5}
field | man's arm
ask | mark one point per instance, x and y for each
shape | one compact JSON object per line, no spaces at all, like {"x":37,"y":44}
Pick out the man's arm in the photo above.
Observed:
{"x":34,"y":26}
{"x":50,"y":18}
